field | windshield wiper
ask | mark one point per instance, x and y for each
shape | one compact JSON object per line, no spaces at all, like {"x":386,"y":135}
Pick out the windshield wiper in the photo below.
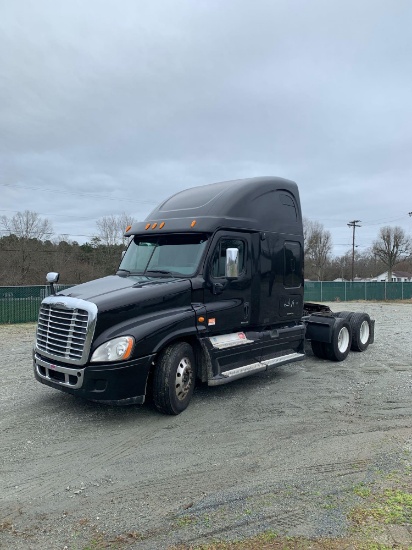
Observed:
{"x":159,"y":271}
{"x":127,"y":273}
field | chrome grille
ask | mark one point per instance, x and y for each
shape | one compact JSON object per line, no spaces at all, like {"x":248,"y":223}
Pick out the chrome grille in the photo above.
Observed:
{"x":65,"y":328}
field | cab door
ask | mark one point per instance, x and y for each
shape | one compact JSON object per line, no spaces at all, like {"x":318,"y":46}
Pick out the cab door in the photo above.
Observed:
{"x":228,"y":301}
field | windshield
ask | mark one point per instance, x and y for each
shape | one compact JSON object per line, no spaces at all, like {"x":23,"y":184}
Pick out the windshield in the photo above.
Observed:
{"x":177,"y":254}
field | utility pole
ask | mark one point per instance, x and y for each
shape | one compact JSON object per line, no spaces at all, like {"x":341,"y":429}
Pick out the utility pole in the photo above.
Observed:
{"x":353,"y":224}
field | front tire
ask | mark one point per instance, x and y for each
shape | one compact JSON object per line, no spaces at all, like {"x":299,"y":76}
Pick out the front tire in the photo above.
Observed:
{"x":174,"y":378}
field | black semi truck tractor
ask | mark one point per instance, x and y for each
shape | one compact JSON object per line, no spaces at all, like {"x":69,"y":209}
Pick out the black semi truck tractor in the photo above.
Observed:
{"x":210,"y":288}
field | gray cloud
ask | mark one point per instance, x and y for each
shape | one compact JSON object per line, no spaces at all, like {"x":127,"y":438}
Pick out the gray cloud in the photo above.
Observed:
{"x":108,"y":107}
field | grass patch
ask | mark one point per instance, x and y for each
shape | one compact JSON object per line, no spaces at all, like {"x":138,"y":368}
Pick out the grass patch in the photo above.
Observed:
{"x":101,"y":542}
{"x":184,"y":521}
{"x":361,"y":490}
{"x":271,"y":541}
{"x":393,"y":506}
{"x":6,"y":526}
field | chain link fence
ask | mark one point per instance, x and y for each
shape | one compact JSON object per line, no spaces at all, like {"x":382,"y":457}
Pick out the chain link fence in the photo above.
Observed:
{"x":20,"y":304}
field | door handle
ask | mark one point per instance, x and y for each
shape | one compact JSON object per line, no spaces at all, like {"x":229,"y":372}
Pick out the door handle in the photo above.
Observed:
{"x":246,"y":311}
{"x":217,"y":288}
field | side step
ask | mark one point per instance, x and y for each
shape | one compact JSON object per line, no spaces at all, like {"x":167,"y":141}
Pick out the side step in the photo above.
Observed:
{"x":253,"y":368}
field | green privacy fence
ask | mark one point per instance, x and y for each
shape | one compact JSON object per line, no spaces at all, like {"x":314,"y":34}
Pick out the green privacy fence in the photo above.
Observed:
{"x":20,"y":304}
{"x":329,"y":291}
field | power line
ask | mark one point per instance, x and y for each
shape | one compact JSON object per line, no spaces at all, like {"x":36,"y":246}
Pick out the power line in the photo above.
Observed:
{"x":370,"y":223}
{"x":91,"y":195}
{"x":54,"y":214}
{"x":9,"y":233}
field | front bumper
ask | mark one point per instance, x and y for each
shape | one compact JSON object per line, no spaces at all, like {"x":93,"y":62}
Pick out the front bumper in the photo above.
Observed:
{"x":121,"y":383}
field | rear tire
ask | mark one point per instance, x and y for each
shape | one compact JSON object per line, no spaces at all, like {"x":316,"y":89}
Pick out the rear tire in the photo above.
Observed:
{"x":345,"y":315}
{"x":174,"y":378}
{"x":361,"y":331}
{"x":339,"y":348}
{"x":318,"y":349}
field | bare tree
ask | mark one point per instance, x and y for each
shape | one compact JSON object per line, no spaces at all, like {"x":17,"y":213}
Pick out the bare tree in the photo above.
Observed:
{"x":29,"y":232}
{"x":112,"y":229}
{"x":108,"y":230}
{"x":27,"y":225}
{"x":125,"y":220}
{"x":391,"y":246}
{"x":318,"y":247}
{"x":307,"y":224}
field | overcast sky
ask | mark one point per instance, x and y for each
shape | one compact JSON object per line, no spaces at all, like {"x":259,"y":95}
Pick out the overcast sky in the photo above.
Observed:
{"x":111,"y":106}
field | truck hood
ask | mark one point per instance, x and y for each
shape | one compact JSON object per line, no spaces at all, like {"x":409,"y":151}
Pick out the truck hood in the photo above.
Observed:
{"x":128,"y":301}
{"x":114,"y":292}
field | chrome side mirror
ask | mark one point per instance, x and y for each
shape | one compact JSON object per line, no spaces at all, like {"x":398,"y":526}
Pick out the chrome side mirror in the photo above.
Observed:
{"x":52,"y":278}
{"x":232,"y":263}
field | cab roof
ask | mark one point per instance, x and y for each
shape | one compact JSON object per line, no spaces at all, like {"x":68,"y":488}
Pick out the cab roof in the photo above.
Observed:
{"x":253,"y":204}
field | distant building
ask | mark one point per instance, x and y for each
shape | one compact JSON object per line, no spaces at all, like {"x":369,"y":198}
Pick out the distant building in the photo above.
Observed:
{"x":397,"y":277}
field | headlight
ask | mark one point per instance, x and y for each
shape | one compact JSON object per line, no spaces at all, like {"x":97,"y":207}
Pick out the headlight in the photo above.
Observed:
{"x":117,"y":349}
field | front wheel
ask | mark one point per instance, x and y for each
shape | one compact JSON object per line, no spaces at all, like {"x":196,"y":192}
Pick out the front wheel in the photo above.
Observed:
{"x":174,"y":378}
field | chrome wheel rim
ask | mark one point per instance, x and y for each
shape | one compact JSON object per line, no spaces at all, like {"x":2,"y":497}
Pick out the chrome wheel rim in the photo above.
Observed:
{"x":364,"y":332}
{"x":343,"y":339}
{"x":184,"y":378}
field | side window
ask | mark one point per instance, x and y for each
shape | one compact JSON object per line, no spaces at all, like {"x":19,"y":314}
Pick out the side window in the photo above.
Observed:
{"x":289,"y":207}
{"x":292,"y":271}
{"x":219,"y":256}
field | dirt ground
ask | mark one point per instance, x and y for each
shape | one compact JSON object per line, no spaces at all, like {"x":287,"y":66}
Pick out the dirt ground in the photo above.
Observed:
{"x":281,"y":451}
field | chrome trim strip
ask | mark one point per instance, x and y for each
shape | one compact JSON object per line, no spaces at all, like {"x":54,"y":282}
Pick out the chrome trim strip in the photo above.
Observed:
{"x":49,"y":367}
{"x":231,"y":340}
{"x":240,"y":372}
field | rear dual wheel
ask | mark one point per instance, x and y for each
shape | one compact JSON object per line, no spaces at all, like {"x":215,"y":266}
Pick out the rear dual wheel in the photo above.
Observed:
{"x":318,"y":349}
{"x":338,"y":348}
{"x":361,"y":327}
{"x":361,"y":331}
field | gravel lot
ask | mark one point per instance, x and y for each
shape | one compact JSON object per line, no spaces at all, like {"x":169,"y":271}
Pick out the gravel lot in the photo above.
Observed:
{"x":280,"y":450}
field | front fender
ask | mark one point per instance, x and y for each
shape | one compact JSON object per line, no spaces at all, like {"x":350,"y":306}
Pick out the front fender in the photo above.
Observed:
{"x":153,"y":331}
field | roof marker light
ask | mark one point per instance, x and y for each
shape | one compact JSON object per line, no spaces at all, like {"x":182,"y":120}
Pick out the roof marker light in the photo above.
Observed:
{"x":147,"y":226}
{"x":193,"y":223}
{"x":154,"y":225}
{"x":161,"y":225}
{"x":128,"y":228}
